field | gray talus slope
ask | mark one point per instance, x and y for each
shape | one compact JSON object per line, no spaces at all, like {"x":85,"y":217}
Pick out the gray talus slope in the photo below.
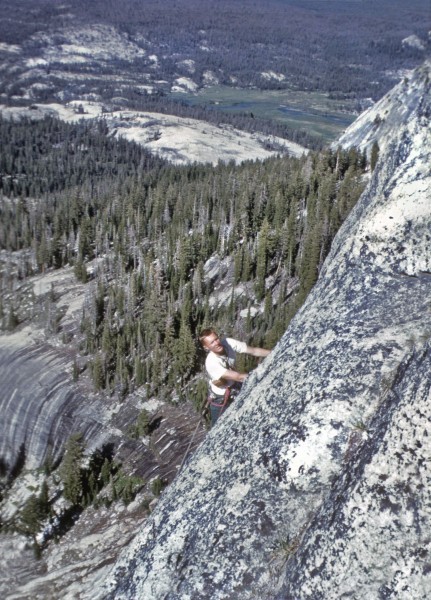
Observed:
{"x":315,"y":484}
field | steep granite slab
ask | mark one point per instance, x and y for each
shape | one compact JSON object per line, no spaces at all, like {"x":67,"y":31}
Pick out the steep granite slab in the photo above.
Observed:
{"x":41,"y":405}
{"x":264,"y":484}
{"x":371,"y":537}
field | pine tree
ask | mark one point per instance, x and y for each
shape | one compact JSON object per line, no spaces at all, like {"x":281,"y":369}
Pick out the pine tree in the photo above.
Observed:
{"x":185,"y":351}
{"x":105,"y":473}
{"x":31,"y":516}
{"x":139,"y":371}
{"x":238,"y":261}
{"x":70,"y":469}
{"x":44,"y":498}
{"x":98,"y":372}
{"x":80,"y":271}
{"x":261,"y":260}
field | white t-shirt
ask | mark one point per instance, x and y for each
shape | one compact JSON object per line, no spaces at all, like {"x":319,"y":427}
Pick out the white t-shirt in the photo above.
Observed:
{"x":216,"y":365}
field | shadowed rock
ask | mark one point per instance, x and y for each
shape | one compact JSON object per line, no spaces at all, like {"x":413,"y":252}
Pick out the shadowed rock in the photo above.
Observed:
{"x":315,"y":484}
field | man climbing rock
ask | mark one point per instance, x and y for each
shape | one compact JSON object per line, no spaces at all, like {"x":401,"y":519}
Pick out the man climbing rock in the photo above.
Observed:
{"x":224,"y":380}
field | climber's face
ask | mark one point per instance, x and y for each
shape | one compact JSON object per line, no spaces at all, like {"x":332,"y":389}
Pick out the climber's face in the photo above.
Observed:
{"x":212,"y":343}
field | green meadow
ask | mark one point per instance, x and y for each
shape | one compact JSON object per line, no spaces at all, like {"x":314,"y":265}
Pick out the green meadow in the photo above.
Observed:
{"x":311,"y":111}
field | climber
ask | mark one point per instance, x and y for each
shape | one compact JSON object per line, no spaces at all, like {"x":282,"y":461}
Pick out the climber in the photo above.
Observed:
{"x":224,"y":380}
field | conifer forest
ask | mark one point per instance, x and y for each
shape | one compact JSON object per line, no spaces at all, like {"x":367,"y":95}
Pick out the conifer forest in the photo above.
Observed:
{"x":142,"y":235}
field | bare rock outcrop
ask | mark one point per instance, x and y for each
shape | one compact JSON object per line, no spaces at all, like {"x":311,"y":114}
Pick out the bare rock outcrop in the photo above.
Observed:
{"x":41,"y":405}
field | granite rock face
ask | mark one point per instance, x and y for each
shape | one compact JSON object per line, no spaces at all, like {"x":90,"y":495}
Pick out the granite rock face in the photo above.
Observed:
{"x":316,"y":483}
{"x":40,"y":405}
{"x":371,"y":537}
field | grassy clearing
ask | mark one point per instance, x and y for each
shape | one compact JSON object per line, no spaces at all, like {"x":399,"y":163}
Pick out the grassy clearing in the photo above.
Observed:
{"x":312,"y":111}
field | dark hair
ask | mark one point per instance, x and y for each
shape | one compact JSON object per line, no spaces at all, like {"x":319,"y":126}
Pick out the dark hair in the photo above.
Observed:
{"x":206,"y":332}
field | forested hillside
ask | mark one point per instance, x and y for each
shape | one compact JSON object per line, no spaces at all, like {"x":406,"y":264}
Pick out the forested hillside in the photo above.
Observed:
{"x":350,"y":48}
{"x":300,"y":70}
{"x":165,"y":250}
